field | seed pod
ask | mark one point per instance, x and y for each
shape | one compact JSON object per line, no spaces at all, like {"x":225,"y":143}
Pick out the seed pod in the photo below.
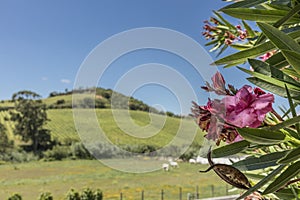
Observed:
{"x":229,"y":174}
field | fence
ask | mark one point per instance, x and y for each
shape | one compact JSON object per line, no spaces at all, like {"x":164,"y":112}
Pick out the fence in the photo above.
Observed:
{"x":163,"y":194}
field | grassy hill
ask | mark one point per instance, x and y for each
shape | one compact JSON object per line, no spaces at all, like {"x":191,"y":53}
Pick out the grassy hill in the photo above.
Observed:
{"x":63,"y":129}
{"x":137,"y":127}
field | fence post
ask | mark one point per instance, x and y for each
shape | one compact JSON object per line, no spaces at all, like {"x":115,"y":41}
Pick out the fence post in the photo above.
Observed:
{"x":197,"y":192}
{"x":142,"y":194}
{"x":189,"y":196}
{"x":213,"y":190}
{"x":121,"y":196}
{"x":162,"y":194}
{"x":180,"y":193}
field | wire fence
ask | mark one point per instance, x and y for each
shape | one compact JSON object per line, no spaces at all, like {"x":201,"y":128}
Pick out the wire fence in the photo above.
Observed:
{"x":181,"y":194}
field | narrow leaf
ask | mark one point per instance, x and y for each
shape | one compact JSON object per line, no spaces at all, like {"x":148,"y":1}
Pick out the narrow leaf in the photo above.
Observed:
{"x":253,"y":163}
{"x":280,"y":39}
{"x":278,"y":61}
{"x":281,"y":180}
{"x":291,"y":156}
{"x":262,"y":182}
{"x":245,"y":4}
{"x":230,"y":149}
{"x":285,"y":123}
{"x":289,"y":15}
{"x":261,"y":136}
{"x":228,"y":24}
{"x":279,"y":90}
{"x":250,"y":32}
{"x":240,"y":47}
{"x":258,"y":50}
{"x":274,"y":81}
{"x":291,"y":72}
{"x":288,"y":194}
{"x":293,"y":109}
{"x":258,"y":15}
{"x":293,"y":58}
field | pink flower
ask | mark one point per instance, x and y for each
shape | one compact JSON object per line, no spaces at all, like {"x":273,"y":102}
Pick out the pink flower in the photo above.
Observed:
{"x":247,"y":109}
{"x":267,"y":55}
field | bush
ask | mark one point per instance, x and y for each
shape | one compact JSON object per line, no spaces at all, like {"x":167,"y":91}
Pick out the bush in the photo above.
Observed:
{"x":18,"y":156}
{"x":57,"y":153}
{"x":86,"y":194}
{"x":79,"y":151}
{"x":46,"y":196}
{"x":72,"y":195}
{"x":15,"y":197}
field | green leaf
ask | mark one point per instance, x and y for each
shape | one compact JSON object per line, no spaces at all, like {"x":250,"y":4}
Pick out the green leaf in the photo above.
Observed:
{"x":212,"y":42}
{"x":261,"y":136}
{"x":287,"y":193}
{"x":230,"y":149}
{"x":293,"y":58}
{"x":291,"y":72}
{"x":278,"y":61}
{"x":227,"y":23}
{"x":272,"y":80}
{"x":262,"y":182}
{"x":280,"y":39}
{"x":253,"y":163}
{"x":293,"y":110}
{"x":281,"y":21}
{"x":285,"y":123}
{"x":289,"y":15}
{"x":258,"y":15}
{"x":260,"y":67}
{"x":279,"y":90}
{"x":241,"y":47}
{"x":250,"y":32}
{"x":245,"y":4}
{"x":291,"y":156}
{"x":258,"y":50}
{"x":281,"y":180}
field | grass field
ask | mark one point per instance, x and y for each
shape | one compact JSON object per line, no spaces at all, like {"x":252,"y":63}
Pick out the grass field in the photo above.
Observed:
{"x":132,"y":129}
{"x":30,"y":179}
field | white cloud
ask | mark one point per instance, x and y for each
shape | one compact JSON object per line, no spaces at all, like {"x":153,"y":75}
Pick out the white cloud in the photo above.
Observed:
{"x":66,"y":81}
{"x":44,"y":78}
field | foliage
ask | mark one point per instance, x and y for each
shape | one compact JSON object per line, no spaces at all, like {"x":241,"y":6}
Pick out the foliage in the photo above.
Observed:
{"x":30,"y":117}
{"x":45,"y":196}
{"x":5,"y":144}
{"x":86,"y":194}
{"x":273,"y":54}
{"x":57,"y":153}
{"x":15,"y":197}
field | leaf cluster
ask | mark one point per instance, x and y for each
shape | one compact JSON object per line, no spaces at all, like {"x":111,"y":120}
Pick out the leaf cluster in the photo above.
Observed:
{"x":274,"y":148}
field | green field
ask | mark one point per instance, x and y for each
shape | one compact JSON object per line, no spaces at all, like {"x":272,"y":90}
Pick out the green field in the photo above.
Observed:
{"x":132,"y":129}
{"x":30,"y":179}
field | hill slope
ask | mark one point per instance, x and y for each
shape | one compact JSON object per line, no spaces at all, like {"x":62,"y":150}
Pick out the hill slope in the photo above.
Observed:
{"x":134,"y":130}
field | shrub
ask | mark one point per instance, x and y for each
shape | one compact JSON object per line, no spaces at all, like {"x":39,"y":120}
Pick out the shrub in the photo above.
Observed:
{"x":72,"y":195}
{"x":86,"y":194}
{"x":57,"y":153}
{"x":79,"y":151}
{"x":15,"y":197}
{"x":46,"y":196}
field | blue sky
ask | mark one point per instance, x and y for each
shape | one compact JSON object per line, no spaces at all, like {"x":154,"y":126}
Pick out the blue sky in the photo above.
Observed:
{"x":43,"y":43}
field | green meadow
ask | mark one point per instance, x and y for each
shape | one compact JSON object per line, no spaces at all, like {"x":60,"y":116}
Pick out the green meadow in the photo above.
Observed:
{"x":58,"y":177}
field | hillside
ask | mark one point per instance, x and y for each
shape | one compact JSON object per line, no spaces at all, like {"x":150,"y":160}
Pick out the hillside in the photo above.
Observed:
{"x":103,"y":99}
{"x":62,"y":127}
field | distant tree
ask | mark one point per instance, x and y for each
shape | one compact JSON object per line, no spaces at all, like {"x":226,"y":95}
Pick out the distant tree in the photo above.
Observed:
{"x":170,"y":114}
{"x":4,"y":142}
{"x":30,"y":117}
